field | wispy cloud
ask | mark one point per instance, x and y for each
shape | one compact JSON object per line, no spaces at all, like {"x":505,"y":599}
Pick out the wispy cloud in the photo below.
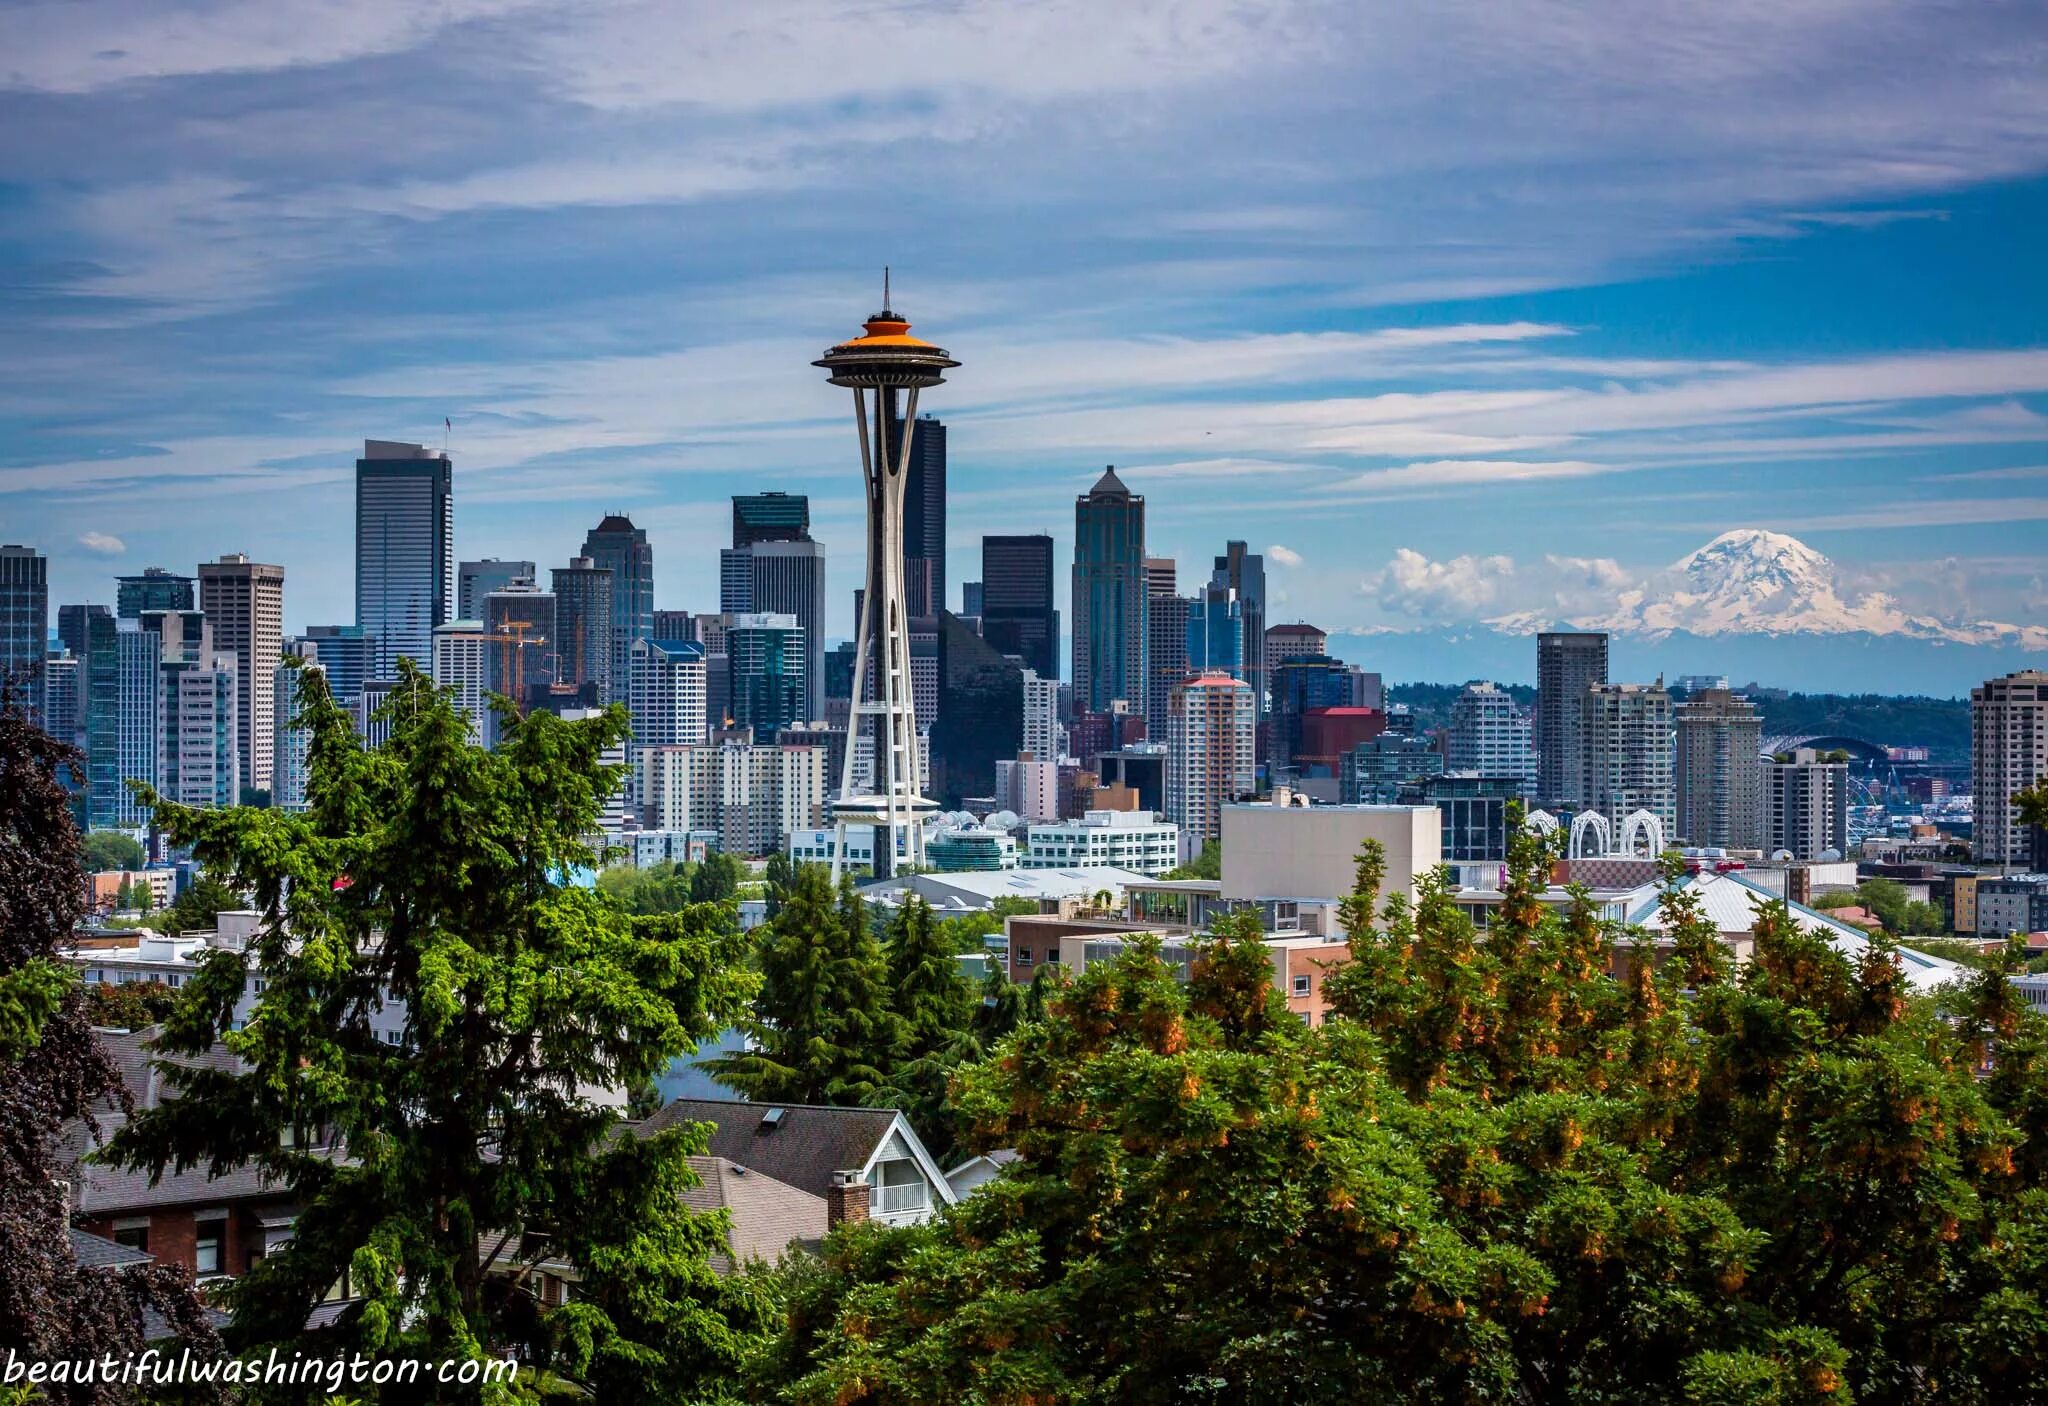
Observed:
{"x":102,"y":544}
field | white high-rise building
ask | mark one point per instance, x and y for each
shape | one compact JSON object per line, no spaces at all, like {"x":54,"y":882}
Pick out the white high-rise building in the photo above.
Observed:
{"x":1041,"y":716}
{"x":243,"y":602}
{"x":462,"y":661}
{"x":1489,"y":735}
{"x":754,"y":797}
{"x":668,"y":692}
{"x":612,"y":819}
{"x":2008,"y":754}
{"x":1212,"y":725}
{"x":1626,"y":752}
{"x":198,"y":763}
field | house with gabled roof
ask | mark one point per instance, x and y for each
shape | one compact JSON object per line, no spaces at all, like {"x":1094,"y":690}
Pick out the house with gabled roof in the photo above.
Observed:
{"x":835,"y":1154}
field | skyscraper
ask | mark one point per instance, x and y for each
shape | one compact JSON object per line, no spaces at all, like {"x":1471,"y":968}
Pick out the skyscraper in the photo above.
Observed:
{"x":924,"y":518}
{"x":348,"y":659}
{"x":1166,"y":639}
{"x":1805,"y":805}
{"x":1110,"y":645}
{"x":405,"y":550}
{"x":244,"y":603}
{"x":1625,"y":741}
{"x":887,"y":362}
{"x":1211,"y":753}
{"x":520,"y":627}
{"x":292,"y":744}
{"x":1304,"y":683}
{"x":24,"y":622}
{"x":1041,"y":735}
{"x":970,"y":598}
{"x":462,"y":662}
{"x":2008,"y":754}
{"x":767,"y":654}
{"x":1489,"y":735}
{"x":668,"y":688}
{"x":616,"y":543}
{"x":583,"y":628}
{"x":789,"y":579}
{"x":477,"y":579}
{"x":1719,"y":784}
{"x":1017,"y":614}
{"x":154,"y":589}
{"x":770,"y":517}
{"x":197,"y":758}
{"x":1216,"y":632}
{"x":89,"y":633}
{"x":1295,"y":640}
{"x":1244,"y":571}
{"x":1567,"y":665}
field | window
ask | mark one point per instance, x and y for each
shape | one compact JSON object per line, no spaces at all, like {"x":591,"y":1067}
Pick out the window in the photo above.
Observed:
{"x":1023,"y":956}
{"x":135,"y":1237}
{"x":208,"y":1238}
{"x":1301,"y":986}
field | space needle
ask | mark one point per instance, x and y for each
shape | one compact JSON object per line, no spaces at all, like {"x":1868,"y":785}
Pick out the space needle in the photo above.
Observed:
{"x":890,"y":362}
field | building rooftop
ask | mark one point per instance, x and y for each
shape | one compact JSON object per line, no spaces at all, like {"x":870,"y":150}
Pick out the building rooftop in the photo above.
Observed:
{"x":799,"y":1145}
{"x":765,"y":1216}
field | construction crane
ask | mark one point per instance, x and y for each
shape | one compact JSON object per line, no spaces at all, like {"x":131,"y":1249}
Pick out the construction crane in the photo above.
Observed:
{"x":518,"y":634}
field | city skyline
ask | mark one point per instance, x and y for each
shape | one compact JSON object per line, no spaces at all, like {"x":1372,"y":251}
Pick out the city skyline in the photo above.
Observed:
{"x":1521,"y":368}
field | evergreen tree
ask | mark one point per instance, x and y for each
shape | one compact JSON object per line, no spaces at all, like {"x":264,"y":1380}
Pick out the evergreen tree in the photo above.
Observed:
{"x":427,"y":876}
{"x":779,"y":876}
{"x":821,"y":1031}
{"x":717,"y":879}
{"x":936,"y":1008}
{"x":110,"y":849}
{"x":52,"y":1072}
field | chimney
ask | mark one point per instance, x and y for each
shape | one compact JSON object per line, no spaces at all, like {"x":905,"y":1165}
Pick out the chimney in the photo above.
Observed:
{"x":846,"y":1199}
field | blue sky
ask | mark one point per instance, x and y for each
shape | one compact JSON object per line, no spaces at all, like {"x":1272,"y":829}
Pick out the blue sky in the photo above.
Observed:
{"x":1467,"y":310}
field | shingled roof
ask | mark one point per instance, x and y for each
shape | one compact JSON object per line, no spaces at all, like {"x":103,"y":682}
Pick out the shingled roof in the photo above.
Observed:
{"x":767,"y":1216}
{"x":801,"y":1147}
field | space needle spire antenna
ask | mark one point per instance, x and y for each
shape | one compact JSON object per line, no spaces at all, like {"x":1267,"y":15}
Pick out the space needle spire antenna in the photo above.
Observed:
{"x":881,"y":366}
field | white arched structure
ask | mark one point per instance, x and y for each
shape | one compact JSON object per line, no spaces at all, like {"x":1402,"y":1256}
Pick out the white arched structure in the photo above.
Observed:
{"x":1594,"y":823}
{"x":1540,"y":822}
{"x":1643,"y":824}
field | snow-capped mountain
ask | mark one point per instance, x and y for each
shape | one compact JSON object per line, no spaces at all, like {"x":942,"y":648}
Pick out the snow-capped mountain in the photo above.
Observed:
{"x":1754,"y":582}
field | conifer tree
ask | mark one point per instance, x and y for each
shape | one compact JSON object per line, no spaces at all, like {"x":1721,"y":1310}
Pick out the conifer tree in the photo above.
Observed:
{"x":821,"y":1030}
{"x":427,"y":877}
{"x":935,"y":1008}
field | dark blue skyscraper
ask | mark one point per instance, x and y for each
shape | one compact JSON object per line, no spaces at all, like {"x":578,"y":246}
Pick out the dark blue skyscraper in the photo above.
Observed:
{"x":24,"y":622}
{"x":154,"y":589}
{"x":1016,"y":601}
{"x":924,"y":518}
{"x":616,"y":543}
{"x":405,"y":550}
{"x":1110,"y":647}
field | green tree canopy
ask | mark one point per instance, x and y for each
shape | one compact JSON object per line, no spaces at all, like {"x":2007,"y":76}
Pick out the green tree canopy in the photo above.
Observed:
{"x":1547,"y":1162}
{"x":1206,"y":865}
{"x":110,"y":849}
{"x":821,"y":1030}
{"x":936,"y":1007}
{"x":427,"y":876}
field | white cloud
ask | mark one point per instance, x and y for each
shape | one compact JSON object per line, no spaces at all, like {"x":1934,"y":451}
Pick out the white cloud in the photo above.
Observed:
{"x":102,"y":544}
{"x":1462,"y":588}
{"x":1286,"y":556}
